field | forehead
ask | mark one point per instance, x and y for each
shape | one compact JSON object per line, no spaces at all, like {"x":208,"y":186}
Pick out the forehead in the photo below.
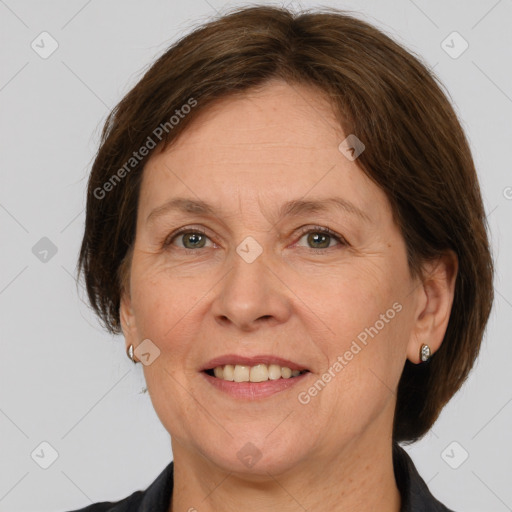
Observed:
{"x":278,"y":143}
{"x":271,"y":115}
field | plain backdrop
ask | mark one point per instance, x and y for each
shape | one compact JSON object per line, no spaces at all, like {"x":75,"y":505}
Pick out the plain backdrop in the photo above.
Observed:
{"x":66,"y":382}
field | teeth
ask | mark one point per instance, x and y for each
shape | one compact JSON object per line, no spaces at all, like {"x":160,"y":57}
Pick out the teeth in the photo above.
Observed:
{"x":274,"y":372}
{"x":228,"y":372}
{"x":241,"y":373}
{"x":286,"y":373}
{"x":258,"y":373}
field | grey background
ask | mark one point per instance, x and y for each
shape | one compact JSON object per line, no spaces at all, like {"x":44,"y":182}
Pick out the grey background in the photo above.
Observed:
{"x":63,"y":379}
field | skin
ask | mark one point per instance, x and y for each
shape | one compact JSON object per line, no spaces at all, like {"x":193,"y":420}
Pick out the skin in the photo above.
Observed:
{"x":247,"y":156}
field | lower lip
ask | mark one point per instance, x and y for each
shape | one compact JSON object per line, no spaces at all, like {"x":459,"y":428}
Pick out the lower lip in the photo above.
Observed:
{"x":254,"y":390}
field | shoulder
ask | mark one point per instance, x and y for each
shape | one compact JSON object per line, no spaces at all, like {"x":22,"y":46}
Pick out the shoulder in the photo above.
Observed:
{"x":129,"y":504}
{"x":416,"y":496}
{"x":156,"y":497}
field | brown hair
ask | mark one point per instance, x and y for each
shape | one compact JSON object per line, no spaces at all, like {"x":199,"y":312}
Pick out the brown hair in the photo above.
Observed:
{"x":416,"y":152}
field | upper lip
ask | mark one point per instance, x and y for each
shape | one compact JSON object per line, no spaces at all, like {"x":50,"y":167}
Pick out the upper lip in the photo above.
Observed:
{"x":251,"y":361}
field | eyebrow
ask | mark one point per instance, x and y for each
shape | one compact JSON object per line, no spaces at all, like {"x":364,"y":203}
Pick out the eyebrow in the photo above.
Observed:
{"x":291,"y":208}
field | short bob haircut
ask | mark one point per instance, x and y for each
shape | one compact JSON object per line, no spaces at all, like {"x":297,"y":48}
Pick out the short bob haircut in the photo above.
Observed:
{"x":416,"y":152}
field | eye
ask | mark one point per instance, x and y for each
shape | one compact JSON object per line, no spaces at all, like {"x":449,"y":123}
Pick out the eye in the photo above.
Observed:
{"x":321,"y":237}
{"x":318,"y":237}
{"x":189,"y":238}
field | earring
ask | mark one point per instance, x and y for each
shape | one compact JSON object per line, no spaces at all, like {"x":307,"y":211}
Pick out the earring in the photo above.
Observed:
{"x":425,"y":353}
{"x":129,"y":353}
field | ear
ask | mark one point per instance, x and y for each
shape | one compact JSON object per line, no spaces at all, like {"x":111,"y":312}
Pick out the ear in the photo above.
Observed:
{"x":128,"y":324}
{"x":436,"y":293}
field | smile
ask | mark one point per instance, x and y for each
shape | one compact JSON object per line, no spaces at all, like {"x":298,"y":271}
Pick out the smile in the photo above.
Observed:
{"x":236,"y":380}
{"x":257,"y":373}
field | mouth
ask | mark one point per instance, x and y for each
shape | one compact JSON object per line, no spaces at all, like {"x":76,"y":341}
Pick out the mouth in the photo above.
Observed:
{"x":260,"y":368}
{"x":257,"y":373}
{"x":251,"y":378}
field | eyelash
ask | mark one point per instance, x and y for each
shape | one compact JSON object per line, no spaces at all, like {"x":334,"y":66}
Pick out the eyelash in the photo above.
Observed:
{"x":303,"y":231}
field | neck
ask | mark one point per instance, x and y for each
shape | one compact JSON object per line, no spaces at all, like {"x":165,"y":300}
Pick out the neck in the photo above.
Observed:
{"x":353,"y":479}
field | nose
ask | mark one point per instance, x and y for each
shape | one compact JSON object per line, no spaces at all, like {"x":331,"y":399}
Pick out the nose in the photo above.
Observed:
{"x":251,"y":295}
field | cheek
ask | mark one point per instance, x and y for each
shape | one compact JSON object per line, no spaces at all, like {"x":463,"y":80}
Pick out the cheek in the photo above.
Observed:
{"x":161,"y":301}
{"x":354,"y":296}
{"x":165,"y":311}
{"x":365,"y":363}
{"x":369,"y":322}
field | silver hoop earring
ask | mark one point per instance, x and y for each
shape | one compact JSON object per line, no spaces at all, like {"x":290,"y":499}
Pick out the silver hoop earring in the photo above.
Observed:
{"x":129,"y":353}
{"x":425,"y":353}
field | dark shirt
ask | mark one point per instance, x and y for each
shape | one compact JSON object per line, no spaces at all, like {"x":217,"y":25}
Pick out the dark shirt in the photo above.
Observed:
{"x":156,"y":498}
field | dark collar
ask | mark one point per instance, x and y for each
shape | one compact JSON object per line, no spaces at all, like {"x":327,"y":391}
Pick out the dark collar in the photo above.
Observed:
{"x":415,"y":494}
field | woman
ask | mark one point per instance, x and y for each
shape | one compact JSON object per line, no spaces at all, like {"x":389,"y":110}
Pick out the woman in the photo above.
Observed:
{"x":284,"y":221}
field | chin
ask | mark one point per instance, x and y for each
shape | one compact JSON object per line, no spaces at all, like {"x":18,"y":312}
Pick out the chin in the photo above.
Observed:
{"x":256,"y":455}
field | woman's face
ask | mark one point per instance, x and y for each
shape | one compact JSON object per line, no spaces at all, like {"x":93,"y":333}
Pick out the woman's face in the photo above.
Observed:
{"x":260,"y":279}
